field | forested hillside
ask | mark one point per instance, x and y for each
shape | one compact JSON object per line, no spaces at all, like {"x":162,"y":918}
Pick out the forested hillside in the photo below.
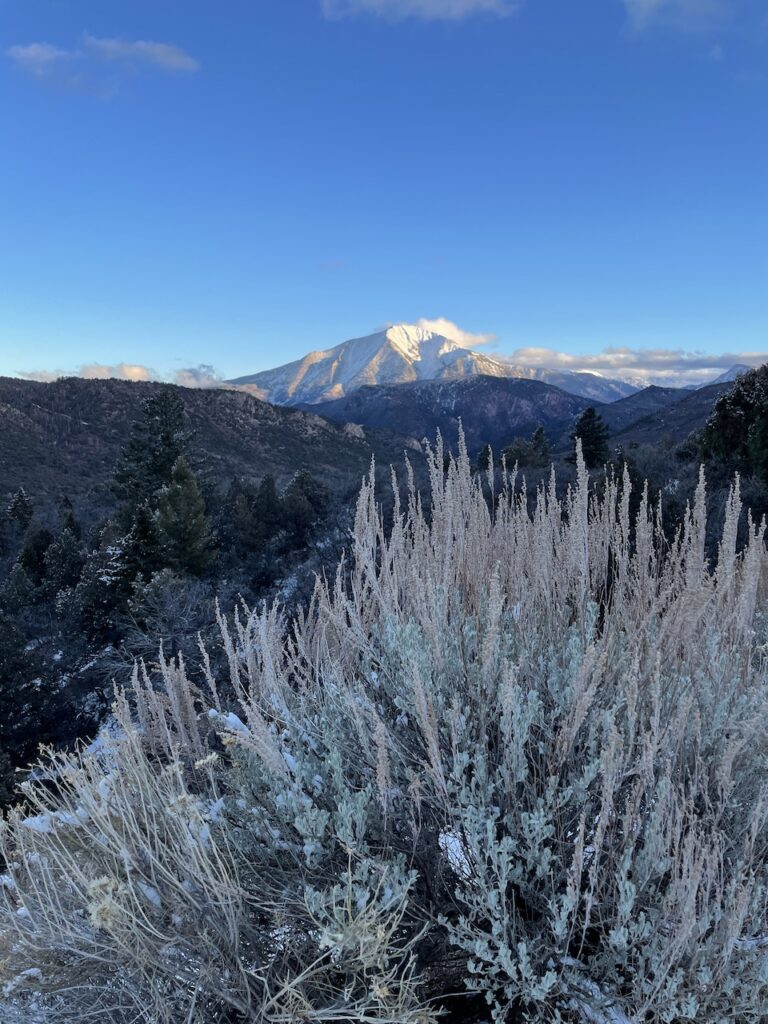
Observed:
{"x":65,"y":437}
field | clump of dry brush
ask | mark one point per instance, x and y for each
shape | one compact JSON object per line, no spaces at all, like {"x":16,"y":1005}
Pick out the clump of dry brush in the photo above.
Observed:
{"x":519,"y":755}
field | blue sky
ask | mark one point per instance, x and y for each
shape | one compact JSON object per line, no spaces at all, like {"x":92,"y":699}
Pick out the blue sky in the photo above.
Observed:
{"x":235,"y":183}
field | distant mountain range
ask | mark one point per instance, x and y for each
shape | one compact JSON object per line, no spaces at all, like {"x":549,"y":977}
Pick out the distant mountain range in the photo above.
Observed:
{"x":65,"y":437}
{"x":495,"y":410}
{"x":671,"y":421}
{"x":405,"y":354}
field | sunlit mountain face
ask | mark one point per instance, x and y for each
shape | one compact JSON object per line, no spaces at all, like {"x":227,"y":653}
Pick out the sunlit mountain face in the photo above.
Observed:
{"x":404,"y":354}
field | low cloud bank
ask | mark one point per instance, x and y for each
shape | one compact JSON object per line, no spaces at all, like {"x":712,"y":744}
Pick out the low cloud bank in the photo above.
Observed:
{"x":673,"y":367}
{"x":203,"y":376}
{"x":94,"y":371}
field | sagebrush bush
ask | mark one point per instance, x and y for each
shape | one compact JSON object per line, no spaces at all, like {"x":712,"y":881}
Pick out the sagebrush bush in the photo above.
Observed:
{"x":510,"y":754}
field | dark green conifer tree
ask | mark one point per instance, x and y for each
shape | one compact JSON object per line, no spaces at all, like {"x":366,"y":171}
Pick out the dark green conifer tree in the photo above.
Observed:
{"x":593,"y":433}
{"x":268,"y":509}
{"x":157,"y":440}
{"x":26,"y":704}
{"x":737,"y":431}
{"x":32,"y":557}
{"x":64,"y":559}
{"x":305,"y":503}
{"x":68,"y":519}
{"x":20,"y":510}
{"x":252,"y":516}
{"x":185,"y":533}
{"x":101,"y":595}
{"x":142,"y":547}
{"x":541,"y":450}
{"x":17,"y":592}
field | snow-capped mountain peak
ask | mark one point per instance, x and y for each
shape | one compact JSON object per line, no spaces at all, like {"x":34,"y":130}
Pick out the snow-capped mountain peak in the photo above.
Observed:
{"x":401,"y":354}
{"x":731,"y":374}
{"x":396,"y":355}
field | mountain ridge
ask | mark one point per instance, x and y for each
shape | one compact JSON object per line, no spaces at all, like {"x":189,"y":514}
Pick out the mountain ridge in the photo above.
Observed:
{"x":404,"y":354}
{"x":492,"y":410}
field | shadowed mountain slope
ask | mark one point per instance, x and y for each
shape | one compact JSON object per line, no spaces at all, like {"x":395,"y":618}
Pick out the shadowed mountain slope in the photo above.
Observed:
{"x":675,"y":422}
{"x":492,"y":410}
{"x":648,"y":402}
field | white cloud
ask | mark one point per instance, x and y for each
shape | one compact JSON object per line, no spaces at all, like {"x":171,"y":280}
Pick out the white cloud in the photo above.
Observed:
{"x":123,"y":371}
{"x":674,"y":367}
{"x":99,"y":65}
{"x":162,"y":56}
{"x":95,"y":371}
{"x":450,"y":330}
{"x":683,"y":13}
{"x":427,"y":10}
{"x":39,"y":59}
{"x":203,"y":376}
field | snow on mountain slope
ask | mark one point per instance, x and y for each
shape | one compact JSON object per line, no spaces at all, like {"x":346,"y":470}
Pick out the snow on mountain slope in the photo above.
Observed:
{"x":730,"y":375}
{"x":402,"y":354}
{"x":581,"y":383}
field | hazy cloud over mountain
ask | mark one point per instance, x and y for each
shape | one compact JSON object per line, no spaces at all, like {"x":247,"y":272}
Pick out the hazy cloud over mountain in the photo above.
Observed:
{"x":674,"y":367}
{"x":452,"y":331}
{"x":203,"y":376}
{"x":94,"y":371}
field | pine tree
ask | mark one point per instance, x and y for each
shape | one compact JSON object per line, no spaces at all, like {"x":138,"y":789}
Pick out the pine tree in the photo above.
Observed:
{"x":737,"y":431}
{"x":64,"y":559}
{"x":185,"y":532}
{"x":21,"y":697}
{"x":101,"y":595}
{"x":252,"y":516}
{"x":536,"y":452}
{"x":268,"y":509}
{"x":305,"y":503}
{"x":142,"y":547}
{"x":17,"y":592}
{"x":68,"y":519}
{"x":541,"y":448}
{"x":20,"y":509}
{"x":593,"y":433}
{"x":32,"y":557}
{"x":157,"y":440}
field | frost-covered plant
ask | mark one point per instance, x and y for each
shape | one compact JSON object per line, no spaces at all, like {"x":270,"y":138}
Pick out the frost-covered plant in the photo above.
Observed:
{"x":515,"y":754}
